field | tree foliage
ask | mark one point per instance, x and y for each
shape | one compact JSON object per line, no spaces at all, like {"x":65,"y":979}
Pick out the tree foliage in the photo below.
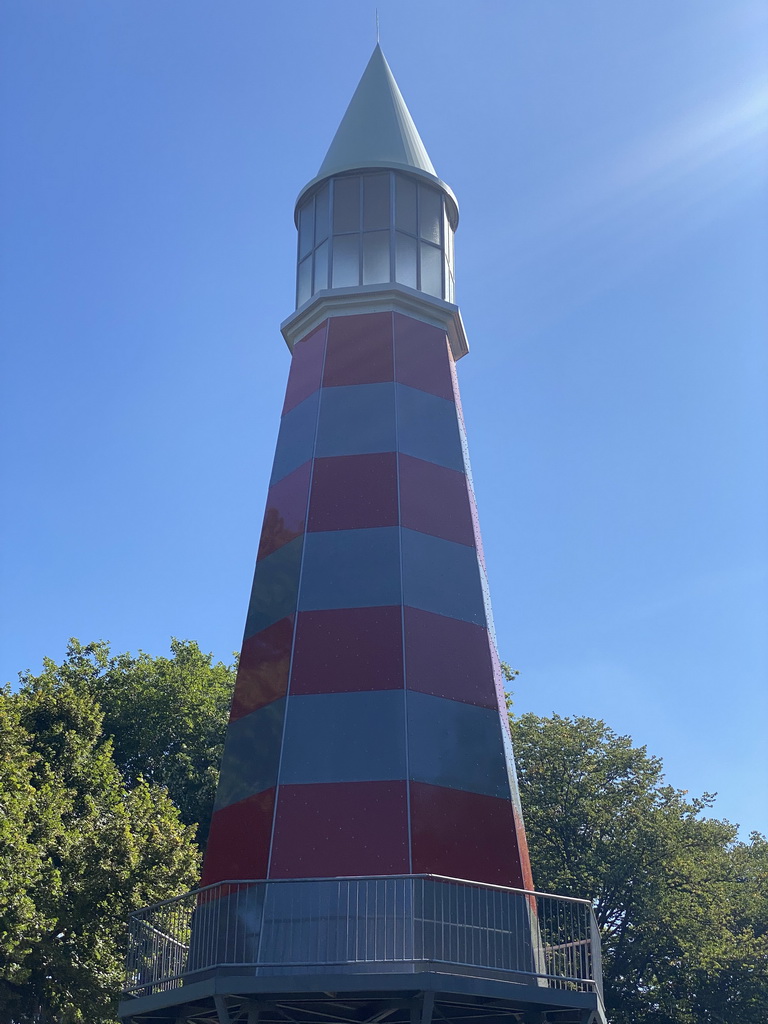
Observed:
{"x":680,"y":902}
{"x":166,"y":716}
{"x":79,"y":851}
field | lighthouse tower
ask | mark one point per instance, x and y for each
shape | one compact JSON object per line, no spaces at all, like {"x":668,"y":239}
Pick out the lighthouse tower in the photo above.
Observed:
{"x":367,"y":858}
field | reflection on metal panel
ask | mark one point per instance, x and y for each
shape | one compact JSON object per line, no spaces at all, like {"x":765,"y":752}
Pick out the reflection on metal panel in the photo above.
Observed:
{"x":251,"y":754}
{"x":456,"y":745}
{"x":286,"y":511}
{"x":262,"y":673}
{"x":275,"y":587}
{"x":306,"y":367}
{"x":296,"y":439}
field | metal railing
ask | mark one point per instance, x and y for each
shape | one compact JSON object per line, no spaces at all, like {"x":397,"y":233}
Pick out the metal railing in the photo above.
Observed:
{"x":369,"y":925}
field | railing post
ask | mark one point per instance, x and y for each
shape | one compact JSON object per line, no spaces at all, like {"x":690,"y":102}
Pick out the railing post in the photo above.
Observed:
{"x":596,"y":952}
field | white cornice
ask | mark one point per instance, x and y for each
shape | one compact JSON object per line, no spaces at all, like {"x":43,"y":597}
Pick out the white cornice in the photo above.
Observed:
{"x":376,"y":298}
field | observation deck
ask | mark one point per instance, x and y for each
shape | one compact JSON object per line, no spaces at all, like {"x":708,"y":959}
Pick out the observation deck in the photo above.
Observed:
{"x":363,"y":950}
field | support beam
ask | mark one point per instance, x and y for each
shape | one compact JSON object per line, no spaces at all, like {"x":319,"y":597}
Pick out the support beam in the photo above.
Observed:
{"x":221,"y":1010}
{"x":253,"y":1013}
{"x":186,"y":1014}
{"x":383,"y":1014}
{"x":427,"y":1007}
{"x":284,"y":1013}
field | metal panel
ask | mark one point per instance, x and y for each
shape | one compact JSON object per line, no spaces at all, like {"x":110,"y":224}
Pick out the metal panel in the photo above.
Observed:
{"x":463,"y":835}
{"x":332,"y":829}
{"x":262,"y":673}
{"x":275,"y":586}
{"x":443,"y":577}
{"x":286,"y":511}
{"x":251,"y":754}
{"x":427,"y":428}
{"x":359,"y":350}
{"x":422,"y":357}
{"x":435,"y":500}
{"x":351,"y":492}
{"x":456,"y":745}
{"x":377,"y":128}
{"x":348,"y":649}
{"x":448,"y":658}
{"x":296,"y":440}
{"x":351,"y":569}
{"x":344,"y":737}
{"x":306,"y":368}
{"x":239,"y":839}
{"x":356,"y":420}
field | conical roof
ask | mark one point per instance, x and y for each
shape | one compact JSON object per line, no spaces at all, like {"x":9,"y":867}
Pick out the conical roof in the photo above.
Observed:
{"x":377,"y":130}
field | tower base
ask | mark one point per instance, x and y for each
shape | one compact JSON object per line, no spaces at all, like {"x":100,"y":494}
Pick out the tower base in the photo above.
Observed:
{"x":413,"y":997}
{"x":405,"y":950}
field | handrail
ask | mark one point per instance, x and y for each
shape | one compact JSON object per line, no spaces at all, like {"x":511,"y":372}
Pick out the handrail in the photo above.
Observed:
{"x":367,"y":878}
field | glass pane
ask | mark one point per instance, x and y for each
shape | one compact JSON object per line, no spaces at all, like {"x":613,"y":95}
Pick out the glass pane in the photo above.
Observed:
{"x":375,"y":201}
{"x":405,"y":205}
{"x":375,"y":257}
{"x":321,"y":214}
{"x":346,"y":261}
{"x":304,"y":281}
{"x":430,"y":214}
{"x":321,"y":267}
{"x":447,"y":238}
{"x":405,"y":260}
{"x":305,"y":228}
{"x":346,"y":205}
{"x":431,"y":270}
{"x":448,"y":282}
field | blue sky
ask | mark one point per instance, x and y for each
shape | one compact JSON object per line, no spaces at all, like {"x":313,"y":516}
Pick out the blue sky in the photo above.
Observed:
{"x":610,"y":164}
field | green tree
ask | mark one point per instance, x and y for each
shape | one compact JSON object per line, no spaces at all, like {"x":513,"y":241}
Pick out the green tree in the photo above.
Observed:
{"x":20,"y":827}
{"x":78,"y":853}
{"x":681,"y":904}
{"x":166,"y":716}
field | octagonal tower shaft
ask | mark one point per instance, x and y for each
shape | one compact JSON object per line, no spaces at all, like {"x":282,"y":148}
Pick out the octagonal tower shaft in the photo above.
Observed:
{"x":368,"y":732}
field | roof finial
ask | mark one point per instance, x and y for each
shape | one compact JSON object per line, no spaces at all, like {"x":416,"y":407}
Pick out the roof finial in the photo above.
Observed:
{"x":377,"y":26}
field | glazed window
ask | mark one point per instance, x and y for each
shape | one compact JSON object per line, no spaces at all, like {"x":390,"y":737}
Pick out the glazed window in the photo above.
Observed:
{"x":368,"y":229}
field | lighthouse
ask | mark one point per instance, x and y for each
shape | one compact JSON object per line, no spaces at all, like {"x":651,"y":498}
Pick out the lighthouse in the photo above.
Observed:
{"x":367,"y":858}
